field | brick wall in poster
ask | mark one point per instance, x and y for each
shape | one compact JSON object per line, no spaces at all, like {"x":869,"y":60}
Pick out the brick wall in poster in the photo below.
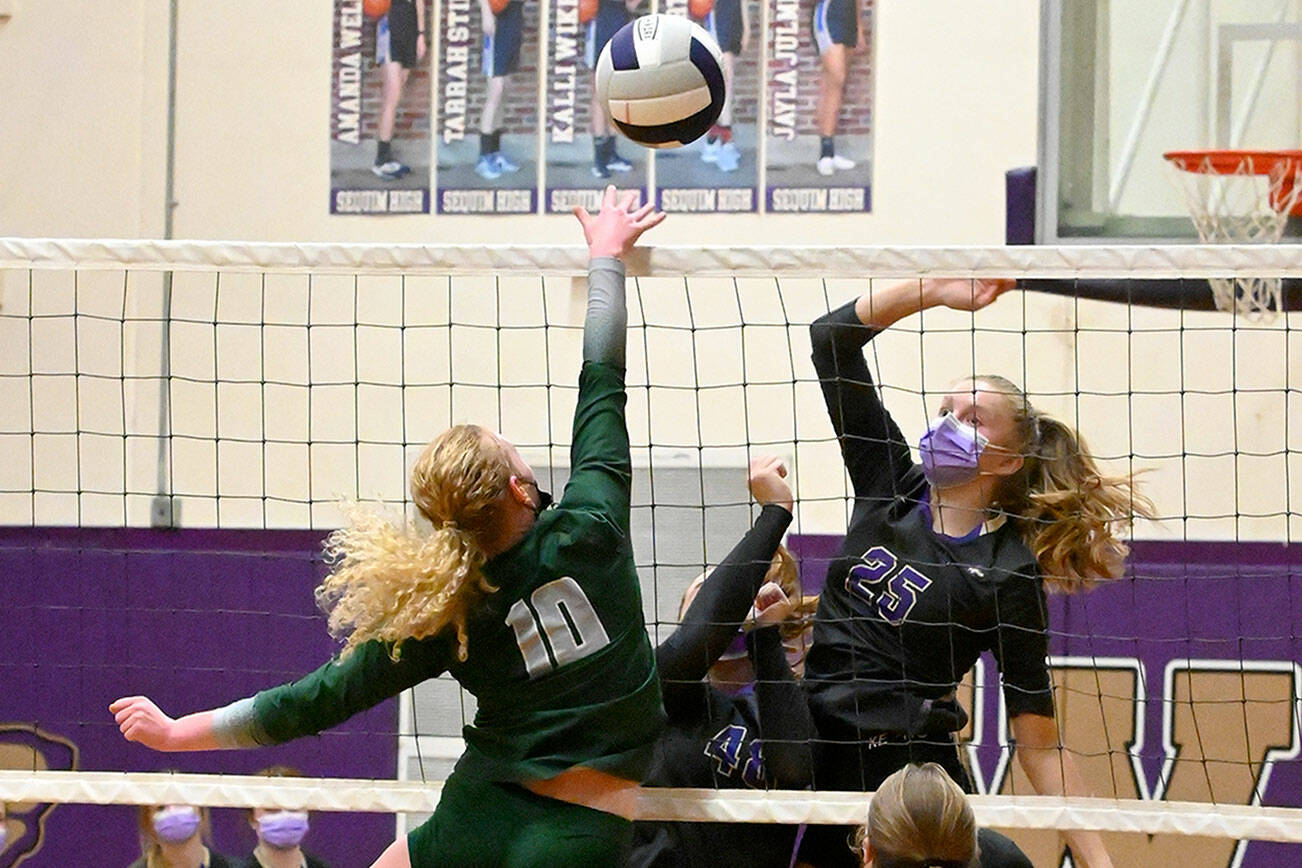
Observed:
{"x":413,"y":118}
{"x":857,"y":106}
{"x":520,"y":101}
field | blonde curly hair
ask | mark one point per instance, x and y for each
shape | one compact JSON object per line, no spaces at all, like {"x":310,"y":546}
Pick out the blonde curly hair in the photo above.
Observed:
{"x":392,"y":581}
{"x":1069,"y":513}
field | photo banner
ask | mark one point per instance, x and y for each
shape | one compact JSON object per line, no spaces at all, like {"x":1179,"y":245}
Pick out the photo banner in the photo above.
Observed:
{"x":720,"y":171}
{"x":818,"y":147}
{"x":380,"y":110}
{"x":488,"y":107}
{"x":583,"y":154}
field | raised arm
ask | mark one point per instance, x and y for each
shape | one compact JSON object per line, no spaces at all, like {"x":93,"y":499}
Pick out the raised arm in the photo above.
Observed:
{"x":875,"y":452}
{"x":711,"y":621}
{"x":330,"y":695}
{"x":601,"y":471}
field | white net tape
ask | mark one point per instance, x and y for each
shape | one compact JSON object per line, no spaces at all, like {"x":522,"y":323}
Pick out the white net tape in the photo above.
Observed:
{"x":669,"y":805}
{"x":1243,"y":206}
{"x":1124,"y":261}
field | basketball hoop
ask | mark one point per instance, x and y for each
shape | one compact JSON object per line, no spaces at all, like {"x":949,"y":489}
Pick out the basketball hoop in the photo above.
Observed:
{"x":1241,"y":197}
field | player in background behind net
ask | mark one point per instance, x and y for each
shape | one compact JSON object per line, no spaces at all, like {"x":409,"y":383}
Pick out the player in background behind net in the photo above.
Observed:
{"x":564,"y":726}
{"x":737,"y":715}
{"x":946,"y":560}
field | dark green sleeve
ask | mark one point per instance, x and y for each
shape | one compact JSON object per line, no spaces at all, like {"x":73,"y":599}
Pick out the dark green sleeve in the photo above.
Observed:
{"x":601,"y":472}
{"x":341,"y":688}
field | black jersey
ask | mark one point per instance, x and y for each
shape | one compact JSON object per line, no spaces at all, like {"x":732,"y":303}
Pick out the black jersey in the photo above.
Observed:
{"x":759,"y":739}
{"x":906,"y":612}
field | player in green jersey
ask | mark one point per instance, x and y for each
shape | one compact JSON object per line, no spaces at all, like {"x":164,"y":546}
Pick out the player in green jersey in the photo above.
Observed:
{"x":535,"y":611}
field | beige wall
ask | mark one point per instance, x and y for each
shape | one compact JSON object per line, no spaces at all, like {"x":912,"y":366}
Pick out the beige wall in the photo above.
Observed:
{"x":81,"y":145}
{"x":83,"y":156}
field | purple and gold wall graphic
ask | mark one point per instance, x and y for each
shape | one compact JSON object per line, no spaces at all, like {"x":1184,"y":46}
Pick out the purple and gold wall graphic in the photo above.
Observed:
{"x":194,"y":619}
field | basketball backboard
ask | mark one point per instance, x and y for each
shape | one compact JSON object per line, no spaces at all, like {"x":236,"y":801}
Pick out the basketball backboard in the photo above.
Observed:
{"x":1123,"y":82}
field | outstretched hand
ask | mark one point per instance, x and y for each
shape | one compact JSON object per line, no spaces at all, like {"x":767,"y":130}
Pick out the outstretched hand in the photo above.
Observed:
{"x":768,"y":482}
{"x":616,"y":227}
{"x":966,"y":293}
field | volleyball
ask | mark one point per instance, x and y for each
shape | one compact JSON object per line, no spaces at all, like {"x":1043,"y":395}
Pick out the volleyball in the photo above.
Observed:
{"x":660,"y":81}
{"x":375,"y":8}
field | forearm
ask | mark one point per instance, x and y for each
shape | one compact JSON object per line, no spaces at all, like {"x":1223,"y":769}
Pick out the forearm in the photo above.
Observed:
{"x":194,"y":732}
{"x":711,"y":622}
{"x":1052,"y":771}
{"x":883,"y":306}
{"x":785,"y":724}
{"x":606,"y":322}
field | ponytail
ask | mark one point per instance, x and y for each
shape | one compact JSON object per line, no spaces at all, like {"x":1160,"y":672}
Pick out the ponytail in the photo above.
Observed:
{"x":392,"y":581}
{"x":1070,"y":514}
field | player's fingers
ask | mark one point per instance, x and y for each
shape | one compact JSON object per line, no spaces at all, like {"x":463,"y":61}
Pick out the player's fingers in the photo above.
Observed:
{"x":117,"y":704}
{"x":641,"y":213}
{"x":652,"y":220}
{"x":626,"y":201}
{"x":608,"y":200}
{"x":585,"y":219}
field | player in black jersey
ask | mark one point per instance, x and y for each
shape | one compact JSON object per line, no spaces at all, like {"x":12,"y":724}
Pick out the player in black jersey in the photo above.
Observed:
{"x":535,"y":611}
{"x":739,"y":728}
{"x":946,"y":560}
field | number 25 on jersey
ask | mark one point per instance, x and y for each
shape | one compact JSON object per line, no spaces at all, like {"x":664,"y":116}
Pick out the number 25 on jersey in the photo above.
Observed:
{"x":876,"y":581}
{"x":557,"y":626}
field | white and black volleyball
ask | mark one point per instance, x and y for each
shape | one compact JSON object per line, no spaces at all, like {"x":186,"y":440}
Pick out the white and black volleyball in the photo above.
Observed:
{"x":660,"y":80}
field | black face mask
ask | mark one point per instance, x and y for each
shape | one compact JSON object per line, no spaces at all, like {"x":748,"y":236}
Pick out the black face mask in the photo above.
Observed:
{"x":544,"y":498}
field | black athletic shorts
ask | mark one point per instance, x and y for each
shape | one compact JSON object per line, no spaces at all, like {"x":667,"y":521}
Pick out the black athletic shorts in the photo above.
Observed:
{"x":395,"y":35}
{"x":836,"y":22}
{"x":502,"y":49}
{"x":725,"y":24}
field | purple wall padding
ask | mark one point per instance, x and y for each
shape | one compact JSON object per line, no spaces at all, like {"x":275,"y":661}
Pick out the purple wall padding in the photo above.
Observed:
{"x":1019,"y":206}
{"x":193,"y":619}
{"x":1196,"y":603}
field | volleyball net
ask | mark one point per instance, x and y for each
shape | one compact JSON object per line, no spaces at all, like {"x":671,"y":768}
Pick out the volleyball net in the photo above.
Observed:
{"x":182,"y":420}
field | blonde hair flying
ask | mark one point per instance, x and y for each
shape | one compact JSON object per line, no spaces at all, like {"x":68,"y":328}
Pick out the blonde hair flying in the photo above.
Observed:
{"x":391,"y":581}
{"x":1070,"y":513}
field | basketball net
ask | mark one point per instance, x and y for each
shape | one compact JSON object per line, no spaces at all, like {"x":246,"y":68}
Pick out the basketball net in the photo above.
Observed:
{"x":1241,"y":197}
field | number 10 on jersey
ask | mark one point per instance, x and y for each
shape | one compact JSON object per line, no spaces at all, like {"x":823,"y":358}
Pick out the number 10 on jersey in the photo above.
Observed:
{"x":557,"y":626}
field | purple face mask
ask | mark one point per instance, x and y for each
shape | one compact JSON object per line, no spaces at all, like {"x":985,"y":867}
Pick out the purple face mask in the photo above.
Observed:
{"x":950,"y":450}
{"x":176,"y":824}
{"x":283,"y":829}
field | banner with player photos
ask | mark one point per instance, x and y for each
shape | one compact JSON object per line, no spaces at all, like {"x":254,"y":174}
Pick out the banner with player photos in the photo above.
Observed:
{"x":488,"y":107}
{"x":719,"y":172}
{"x":583,"y":152}
{"x":818,"y":154}
{"x":379,"y":110}
{"x":506,"y":121}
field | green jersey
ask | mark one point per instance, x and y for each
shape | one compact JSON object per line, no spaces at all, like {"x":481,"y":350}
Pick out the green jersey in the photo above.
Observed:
{"x":559,"y":659}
